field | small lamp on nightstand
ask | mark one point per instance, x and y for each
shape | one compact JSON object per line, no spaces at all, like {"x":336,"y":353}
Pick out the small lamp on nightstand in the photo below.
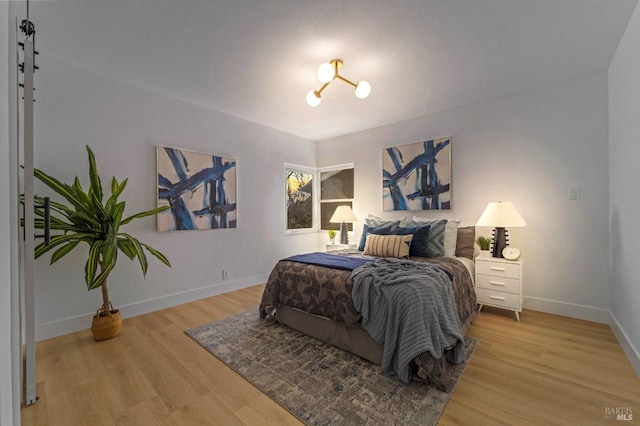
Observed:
{"x":500,"y":215}
{"x":342,"y":215}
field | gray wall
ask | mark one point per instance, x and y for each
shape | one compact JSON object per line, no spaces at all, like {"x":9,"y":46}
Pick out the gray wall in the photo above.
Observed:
{"x":527,"y":148}
{"x":624,"y":203}
{"x":123,"y":124}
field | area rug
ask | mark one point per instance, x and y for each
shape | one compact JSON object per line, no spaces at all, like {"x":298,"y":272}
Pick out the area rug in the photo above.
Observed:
{"x":317,"y":382}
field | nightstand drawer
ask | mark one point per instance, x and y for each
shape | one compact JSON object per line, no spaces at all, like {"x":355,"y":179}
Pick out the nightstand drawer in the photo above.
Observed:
{"x":499,"y":269}
{"x":492,"y":282}
{"x":498,"y":298}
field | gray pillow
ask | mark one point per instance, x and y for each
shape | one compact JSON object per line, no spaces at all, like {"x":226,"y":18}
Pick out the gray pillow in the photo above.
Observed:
{"x":466,"y":240}
{"x":381,"y":222}
{"x":435,"y":246}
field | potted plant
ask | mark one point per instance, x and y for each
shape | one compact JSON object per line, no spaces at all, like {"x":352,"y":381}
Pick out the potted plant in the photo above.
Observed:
{"x":484,"y":243}
{"x":86,"y":218}
{"x":332,"y":236}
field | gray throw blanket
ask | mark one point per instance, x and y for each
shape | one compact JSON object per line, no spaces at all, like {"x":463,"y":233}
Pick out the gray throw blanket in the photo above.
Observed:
{"x":407,"y":307}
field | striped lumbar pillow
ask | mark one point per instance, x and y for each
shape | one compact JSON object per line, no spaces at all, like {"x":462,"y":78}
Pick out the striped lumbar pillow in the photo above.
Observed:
{"x":388,"y":245}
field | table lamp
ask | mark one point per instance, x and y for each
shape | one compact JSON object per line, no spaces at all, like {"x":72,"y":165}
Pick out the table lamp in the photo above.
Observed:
{"x":500,"y":215}
{"x":342,"y":215}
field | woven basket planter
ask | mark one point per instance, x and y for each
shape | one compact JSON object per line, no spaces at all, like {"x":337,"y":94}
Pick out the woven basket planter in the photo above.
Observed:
{"x":106,"y":325}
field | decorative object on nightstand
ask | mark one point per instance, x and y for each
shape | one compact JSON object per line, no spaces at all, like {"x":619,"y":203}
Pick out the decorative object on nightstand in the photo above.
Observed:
{"x":332,"y":236}
{"x":499,"y":283}
{"x":484,"y":243}
{"x":342,"y":215}
{"x":500,"y":215}
{"x":511,"y":253}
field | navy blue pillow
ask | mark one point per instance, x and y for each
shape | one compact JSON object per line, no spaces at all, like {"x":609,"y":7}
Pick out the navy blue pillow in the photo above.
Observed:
{"x":380,"y":230}
{"x":420,"y":241}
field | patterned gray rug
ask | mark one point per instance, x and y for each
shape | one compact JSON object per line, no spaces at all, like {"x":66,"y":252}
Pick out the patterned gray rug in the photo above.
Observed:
{"x":319,"y":383}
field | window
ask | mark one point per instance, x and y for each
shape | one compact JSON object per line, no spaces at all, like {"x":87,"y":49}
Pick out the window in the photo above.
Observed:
{"x":300,"y":199}
{"x":336,"y":189}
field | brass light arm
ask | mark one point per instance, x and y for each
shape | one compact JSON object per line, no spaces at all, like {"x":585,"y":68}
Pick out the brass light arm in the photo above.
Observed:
{"x":339,"y":77}
{"x":324,"y":86}
{"x":362,"y":88}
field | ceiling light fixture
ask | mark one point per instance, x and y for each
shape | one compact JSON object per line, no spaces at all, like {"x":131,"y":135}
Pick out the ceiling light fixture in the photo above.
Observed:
{"x":328,"y":72}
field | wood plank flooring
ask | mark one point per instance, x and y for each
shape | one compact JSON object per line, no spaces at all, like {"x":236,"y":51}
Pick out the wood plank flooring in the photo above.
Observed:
{"x":543,"y":370}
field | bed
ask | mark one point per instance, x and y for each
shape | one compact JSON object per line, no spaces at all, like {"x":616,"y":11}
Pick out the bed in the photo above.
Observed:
{"x":317,"y":300}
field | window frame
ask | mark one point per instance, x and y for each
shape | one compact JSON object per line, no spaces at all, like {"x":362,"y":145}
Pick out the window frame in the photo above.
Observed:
{"x":314,"y":198}
{"x":342,"y":201}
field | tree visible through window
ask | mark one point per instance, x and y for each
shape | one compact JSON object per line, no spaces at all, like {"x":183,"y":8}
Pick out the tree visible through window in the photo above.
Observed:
{"x":299,"y":198}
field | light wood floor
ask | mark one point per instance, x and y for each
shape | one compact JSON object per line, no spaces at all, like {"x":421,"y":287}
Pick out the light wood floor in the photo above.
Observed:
{"x":544,"y":370}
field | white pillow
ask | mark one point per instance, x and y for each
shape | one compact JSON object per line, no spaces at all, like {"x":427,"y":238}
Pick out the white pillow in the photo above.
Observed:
{"x":451,"y":237}
{"x":422,"y":219}
{"x":373,"y":218}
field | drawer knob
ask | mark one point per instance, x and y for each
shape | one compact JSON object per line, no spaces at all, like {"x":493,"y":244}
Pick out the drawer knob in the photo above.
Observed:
{"x":497,"y":298}
{"x":493,"y":268}
{"x":497,"y":283}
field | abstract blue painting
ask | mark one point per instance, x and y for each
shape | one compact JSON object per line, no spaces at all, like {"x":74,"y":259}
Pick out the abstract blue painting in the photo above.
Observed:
{"x":417,"y":176}
{"x":199,"y":188}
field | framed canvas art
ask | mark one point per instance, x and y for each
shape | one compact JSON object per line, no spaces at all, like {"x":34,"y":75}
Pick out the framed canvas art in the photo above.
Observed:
{"x":200,"y":189}
{"x":417,"y":176}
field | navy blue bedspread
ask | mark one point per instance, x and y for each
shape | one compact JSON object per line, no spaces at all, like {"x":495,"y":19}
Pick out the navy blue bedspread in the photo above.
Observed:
{"x":345,"y":263}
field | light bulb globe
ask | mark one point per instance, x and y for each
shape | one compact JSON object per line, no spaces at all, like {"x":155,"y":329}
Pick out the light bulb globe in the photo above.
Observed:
{"x":313,"y":99}
{"x":363,"y":89}
{"x":326,"y":72}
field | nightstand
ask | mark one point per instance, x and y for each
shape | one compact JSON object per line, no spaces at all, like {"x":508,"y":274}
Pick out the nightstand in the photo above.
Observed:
{"x":499,"y":283}
{"x":334,"y":247}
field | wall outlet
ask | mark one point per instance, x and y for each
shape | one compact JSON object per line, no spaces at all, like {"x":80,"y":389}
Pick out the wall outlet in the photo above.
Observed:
{"x":225,"y":274}
{"x":575,"y":193}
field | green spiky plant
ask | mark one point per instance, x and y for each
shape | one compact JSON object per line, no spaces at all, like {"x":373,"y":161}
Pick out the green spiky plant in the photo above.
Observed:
{"x":87,"y":219}
{"x":483,"y":242}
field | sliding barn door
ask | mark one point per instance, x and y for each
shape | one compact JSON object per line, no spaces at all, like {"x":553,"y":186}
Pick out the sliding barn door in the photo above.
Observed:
{"x":26,"y":68}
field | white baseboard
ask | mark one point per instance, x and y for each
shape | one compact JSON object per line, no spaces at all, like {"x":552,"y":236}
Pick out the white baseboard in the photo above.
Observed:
{"x":588,"y":313}
{"x":81,"y":322}
{"x":633,"y":355}
{"x":573,"y":310}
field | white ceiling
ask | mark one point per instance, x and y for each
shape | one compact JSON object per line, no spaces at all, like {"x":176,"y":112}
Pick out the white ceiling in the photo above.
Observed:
{"x":257,"y":59}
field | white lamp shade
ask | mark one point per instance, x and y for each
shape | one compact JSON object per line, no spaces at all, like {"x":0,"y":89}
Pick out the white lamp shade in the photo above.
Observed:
{"x":312,"y":99}
{"x":326,"y":72}
{"x":363,"y":89}
{"x":501,"y":215}
{"x":343,"y":214}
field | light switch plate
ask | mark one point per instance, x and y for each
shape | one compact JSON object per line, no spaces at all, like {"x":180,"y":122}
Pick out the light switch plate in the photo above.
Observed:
{"x":575,"y":193}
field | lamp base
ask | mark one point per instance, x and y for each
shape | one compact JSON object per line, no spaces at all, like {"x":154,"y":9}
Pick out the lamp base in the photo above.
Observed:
{"x":499,"y":241}
{"x":344,"y":233}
